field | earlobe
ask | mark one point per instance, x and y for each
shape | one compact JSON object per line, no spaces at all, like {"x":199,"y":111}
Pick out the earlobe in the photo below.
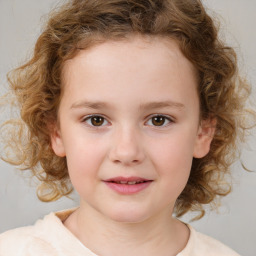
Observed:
{"x":204,"y":138}
{"x":56,"y":142}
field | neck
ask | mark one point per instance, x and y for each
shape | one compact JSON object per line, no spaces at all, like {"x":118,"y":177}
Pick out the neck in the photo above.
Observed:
{"x":161,"y":234}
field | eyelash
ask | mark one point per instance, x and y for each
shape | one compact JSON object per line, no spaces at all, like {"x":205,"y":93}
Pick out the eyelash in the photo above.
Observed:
{"x":85,"y":119}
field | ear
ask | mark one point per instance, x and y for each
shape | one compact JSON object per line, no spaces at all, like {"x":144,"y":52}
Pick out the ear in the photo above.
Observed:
{"x":204,"y":137}
{"x":56,"y":141}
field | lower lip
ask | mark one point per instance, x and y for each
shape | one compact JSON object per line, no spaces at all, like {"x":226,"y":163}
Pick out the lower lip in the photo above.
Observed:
{"x":126,"y":189}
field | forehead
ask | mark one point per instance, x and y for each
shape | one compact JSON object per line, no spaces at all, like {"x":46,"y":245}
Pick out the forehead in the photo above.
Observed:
{"x":129,"y":69}
{"x":135,"y":49}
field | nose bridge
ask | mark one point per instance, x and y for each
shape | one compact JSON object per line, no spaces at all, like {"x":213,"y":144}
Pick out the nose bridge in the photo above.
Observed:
{"x":127,"y":146}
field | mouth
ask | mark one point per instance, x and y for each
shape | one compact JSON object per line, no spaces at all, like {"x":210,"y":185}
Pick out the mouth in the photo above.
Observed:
{"x":130,"y":185}
{"x":127,"y":180}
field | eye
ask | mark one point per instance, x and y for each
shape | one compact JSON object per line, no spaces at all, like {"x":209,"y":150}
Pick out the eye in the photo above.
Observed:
{"x":160,"y":120}
{"x":95,"y":120}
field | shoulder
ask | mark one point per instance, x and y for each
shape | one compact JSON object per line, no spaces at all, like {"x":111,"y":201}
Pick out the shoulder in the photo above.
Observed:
{"x":201,"y":245}
{"x":47,"y":237}
{"x":25,"y":241}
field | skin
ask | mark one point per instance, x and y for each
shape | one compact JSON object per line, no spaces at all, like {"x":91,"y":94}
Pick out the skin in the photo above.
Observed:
{"x":128,"y":142}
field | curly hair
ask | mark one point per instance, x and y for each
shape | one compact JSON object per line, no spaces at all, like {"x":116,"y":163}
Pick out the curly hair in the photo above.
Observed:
{"x":80,"y":24}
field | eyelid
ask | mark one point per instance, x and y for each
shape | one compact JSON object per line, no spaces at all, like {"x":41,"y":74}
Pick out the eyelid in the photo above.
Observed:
{"x":85,"y":118}
{"x":167,"y":117}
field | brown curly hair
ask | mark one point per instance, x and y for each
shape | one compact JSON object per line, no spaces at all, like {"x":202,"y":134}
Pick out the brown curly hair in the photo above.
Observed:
{"x":80,"y":24}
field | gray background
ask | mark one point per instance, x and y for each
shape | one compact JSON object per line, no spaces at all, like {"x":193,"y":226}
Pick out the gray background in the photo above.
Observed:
{"x":234,"y":224}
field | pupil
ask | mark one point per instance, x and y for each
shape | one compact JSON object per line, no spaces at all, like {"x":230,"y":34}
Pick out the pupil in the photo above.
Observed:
{"x":158,"y":120}
{"x":97,"y":121}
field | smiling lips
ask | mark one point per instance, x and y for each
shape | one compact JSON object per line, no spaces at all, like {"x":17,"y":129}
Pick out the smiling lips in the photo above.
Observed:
{"x":127,"y":186}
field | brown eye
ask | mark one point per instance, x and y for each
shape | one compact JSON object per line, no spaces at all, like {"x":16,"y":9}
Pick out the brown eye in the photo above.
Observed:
{"x":160,"y":121}
{"x":95,"y":121}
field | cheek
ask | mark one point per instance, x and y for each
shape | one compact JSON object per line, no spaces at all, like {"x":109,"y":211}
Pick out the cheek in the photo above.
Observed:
{"x":173,"y":167}
{"x":173,"y":156}
{"x":84,"y":159}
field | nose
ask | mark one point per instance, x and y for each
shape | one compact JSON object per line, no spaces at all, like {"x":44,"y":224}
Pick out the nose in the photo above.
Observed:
{"x":127,"y":148}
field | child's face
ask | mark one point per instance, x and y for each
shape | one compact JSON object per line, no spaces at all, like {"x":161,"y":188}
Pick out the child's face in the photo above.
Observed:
{"x":124,"y":85}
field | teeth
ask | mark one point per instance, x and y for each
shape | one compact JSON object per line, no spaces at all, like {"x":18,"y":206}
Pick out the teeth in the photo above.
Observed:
{"x":131,"y":182}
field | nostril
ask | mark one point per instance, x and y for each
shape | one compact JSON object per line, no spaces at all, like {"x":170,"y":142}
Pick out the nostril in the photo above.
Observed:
{"x":126,"y":149}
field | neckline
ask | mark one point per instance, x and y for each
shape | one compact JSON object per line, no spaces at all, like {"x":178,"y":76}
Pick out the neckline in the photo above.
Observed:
{"x":64,"y":214}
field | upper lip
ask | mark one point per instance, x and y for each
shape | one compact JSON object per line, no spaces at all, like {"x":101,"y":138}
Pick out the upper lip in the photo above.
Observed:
{"x":126,"y":179}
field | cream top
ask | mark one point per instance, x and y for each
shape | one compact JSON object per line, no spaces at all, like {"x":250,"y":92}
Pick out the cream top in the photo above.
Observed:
{"x":50,"y":237}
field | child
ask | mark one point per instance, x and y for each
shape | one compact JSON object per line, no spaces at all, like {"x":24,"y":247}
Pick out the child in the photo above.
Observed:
{"x":138,"y":105}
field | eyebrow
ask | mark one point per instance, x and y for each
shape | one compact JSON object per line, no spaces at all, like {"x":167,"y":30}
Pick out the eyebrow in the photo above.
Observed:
{"x":144,"y":106}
